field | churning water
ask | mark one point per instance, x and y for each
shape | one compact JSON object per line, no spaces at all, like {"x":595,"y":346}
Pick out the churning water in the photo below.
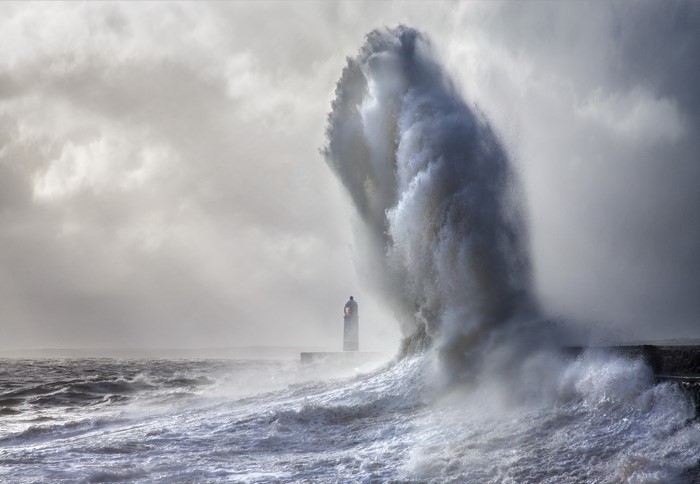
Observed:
{"x":602,"y":419}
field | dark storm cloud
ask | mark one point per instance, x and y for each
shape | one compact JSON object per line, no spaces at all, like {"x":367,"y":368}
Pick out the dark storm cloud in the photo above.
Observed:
{"x":608,"y":109}
{"x":659,"y":42}
{"x":648,"y":220}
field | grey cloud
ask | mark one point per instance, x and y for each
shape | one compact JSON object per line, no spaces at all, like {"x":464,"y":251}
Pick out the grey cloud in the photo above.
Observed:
{"x":237,"y":216}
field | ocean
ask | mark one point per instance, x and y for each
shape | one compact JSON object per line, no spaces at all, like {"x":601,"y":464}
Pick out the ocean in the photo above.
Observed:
{"x":597,"y":418}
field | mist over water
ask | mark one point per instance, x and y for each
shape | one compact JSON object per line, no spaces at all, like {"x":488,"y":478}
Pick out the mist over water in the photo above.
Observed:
{"x":436,"y":191}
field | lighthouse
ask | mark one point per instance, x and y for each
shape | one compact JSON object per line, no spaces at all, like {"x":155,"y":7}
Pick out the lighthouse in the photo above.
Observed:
{"x":351,"y":354}
{"x":351,"y":328}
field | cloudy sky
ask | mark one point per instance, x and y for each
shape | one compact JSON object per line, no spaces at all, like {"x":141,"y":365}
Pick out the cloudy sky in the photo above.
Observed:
{"x":161,"y":182}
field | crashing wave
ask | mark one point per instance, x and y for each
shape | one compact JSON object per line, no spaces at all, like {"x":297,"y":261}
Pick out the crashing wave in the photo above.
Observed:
{"x":436,"y":192}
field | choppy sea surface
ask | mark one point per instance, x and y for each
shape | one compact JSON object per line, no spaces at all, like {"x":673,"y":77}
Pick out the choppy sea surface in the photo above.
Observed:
{"x":596,"y":419}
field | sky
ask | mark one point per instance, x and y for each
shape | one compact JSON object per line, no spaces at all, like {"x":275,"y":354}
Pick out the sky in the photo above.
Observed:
{"x":161,"y":182}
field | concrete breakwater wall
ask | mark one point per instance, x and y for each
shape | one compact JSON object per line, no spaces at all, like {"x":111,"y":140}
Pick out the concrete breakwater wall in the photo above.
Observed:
{"x":345,"y":357}
{"x":677,"y":362}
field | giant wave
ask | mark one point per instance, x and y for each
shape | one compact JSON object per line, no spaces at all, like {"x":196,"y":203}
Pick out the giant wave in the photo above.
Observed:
{"x":436,"y":191}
